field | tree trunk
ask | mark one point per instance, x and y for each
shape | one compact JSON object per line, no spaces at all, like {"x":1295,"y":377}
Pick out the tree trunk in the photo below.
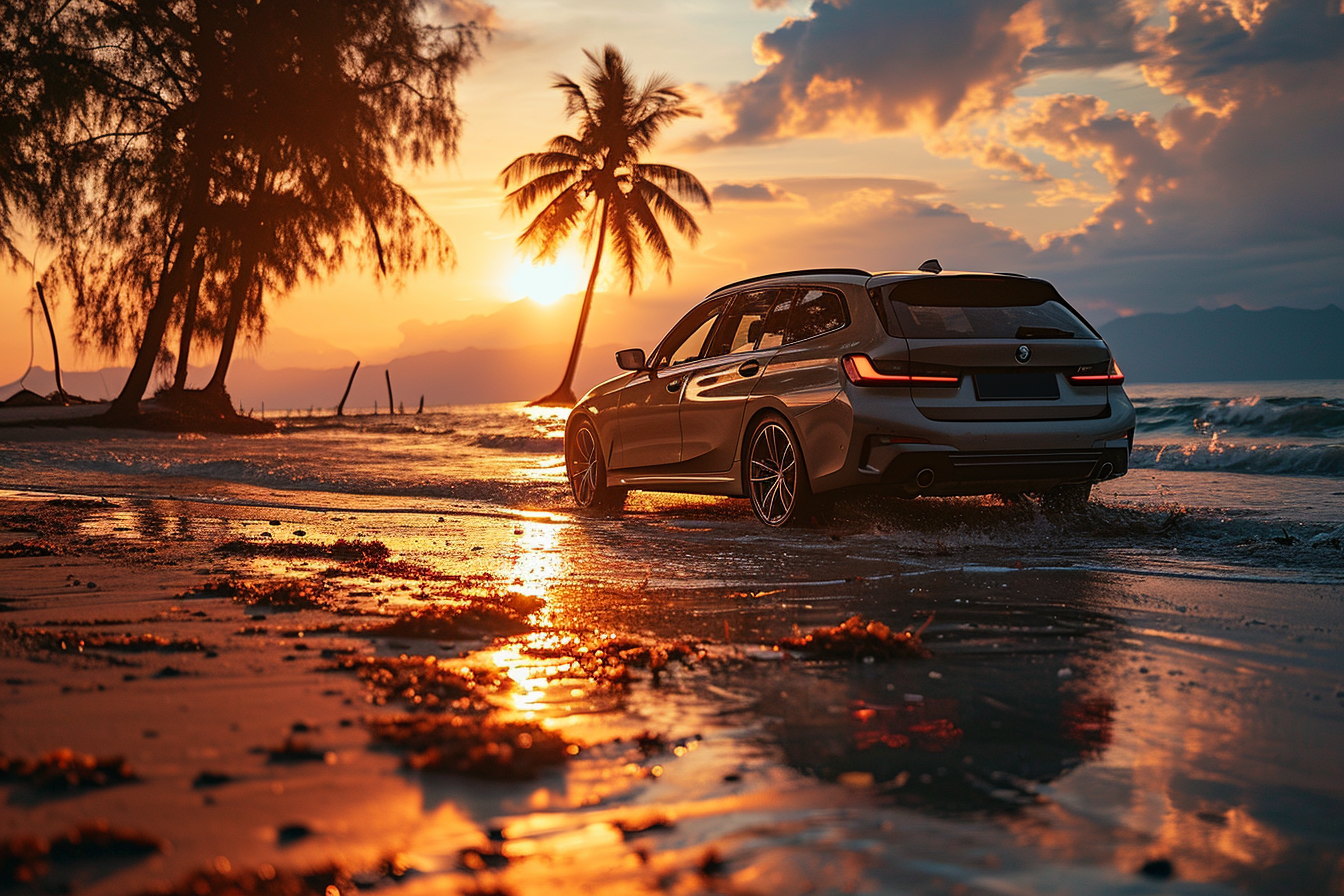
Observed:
{"x":563,"y":396}
{"x":55,"y":353}
{"x":249,"y":252}
{"x":188,"y":324}
{"x":247,"y":266}
{"x":127,"y":402}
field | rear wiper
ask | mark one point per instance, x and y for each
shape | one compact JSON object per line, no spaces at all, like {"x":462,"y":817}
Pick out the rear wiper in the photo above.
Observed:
{"x":1043,"y":333}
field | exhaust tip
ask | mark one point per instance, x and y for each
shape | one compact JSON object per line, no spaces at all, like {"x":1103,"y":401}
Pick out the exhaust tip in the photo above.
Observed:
{"x":924,"y":478}
{"x":1106,"y":470}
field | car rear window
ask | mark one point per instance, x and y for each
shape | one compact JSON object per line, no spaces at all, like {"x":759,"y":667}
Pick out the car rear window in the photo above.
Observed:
{"x":982,"y":308}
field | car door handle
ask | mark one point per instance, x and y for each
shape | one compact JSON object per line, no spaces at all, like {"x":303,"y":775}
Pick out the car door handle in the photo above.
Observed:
{"x":750,"y":368}
{"x":674,"y":385}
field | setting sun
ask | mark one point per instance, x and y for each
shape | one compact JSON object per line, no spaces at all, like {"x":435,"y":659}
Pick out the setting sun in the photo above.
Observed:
{"x":546,"y":283}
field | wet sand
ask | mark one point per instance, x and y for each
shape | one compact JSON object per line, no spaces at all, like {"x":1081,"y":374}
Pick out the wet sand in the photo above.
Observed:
{"x":1130,"y":701}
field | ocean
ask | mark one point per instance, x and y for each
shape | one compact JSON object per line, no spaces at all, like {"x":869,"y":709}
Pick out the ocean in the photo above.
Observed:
{"x":1241,"y":463}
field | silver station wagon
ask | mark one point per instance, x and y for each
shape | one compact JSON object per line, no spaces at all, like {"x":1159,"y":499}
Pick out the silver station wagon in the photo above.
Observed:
{"x":789,"y":387}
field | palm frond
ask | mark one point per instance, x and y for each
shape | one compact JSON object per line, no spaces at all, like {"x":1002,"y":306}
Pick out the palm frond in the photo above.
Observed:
{"x":654,"y":240}
{"x":670,"y":210}
{"x":625,"y":242}
{"x":553,"y":224}
{"x":677,"y":181}
{"x":531,"y":164}
{"x":541,"y":187}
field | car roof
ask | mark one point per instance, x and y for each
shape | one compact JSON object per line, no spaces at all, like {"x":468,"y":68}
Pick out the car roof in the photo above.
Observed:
{"x":856,"y":275}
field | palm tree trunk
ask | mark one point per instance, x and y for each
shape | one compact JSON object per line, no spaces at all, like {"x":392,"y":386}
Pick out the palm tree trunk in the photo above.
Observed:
{"x":188,"y":325}
{"x":563,"y":396}
{"x":127,"y":402}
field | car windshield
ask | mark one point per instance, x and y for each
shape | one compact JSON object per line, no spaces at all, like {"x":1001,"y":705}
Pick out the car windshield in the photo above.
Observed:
{"x":981,"y":308}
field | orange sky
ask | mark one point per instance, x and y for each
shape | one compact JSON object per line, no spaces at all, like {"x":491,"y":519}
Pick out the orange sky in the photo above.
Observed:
{"x":1137,"y":155}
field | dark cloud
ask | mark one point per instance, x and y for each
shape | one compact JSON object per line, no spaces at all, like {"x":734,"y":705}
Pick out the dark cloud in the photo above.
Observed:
{"x":744,"y":193}
{"x":1221,"y":53}
{"x":1091,"y":34}
{"x":885,"y":66}
{"x":882,"y":66}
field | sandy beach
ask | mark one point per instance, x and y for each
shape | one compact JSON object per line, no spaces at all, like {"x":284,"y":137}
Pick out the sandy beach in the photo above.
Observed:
{"x":527,"y":701}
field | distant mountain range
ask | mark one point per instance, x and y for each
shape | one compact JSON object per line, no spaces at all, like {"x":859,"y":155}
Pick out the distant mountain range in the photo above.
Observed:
{"x":1229,"y":344}
{"x":467,"y":376}
{"x":1195,"y":346}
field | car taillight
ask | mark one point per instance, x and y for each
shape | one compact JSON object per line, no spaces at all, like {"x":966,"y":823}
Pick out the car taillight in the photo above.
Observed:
{"x":862,"y":372}
{"x":1105,"y":373}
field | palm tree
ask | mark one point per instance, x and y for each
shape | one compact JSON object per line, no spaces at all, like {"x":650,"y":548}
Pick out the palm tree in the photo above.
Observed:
{"x":596,"y":180}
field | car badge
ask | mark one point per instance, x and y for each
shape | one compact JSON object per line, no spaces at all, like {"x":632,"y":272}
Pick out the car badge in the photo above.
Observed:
{"x":1023,"y":354}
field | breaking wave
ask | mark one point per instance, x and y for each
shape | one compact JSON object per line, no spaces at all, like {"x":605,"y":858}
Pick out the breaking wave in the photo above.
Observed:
{"x":1311,"y":417}
{"x":1268,"y":460}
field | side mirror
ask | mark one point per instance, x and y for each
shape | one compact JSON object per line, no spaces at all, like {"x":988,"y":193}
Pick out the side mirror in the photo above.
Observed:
{"x":631,"y":359}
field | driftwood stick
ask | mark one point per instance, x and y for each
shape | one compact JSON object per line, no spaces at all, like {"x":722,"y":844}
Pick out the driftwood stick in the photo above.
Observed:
{"x":55,"y":355}
{"x":340,"y":408}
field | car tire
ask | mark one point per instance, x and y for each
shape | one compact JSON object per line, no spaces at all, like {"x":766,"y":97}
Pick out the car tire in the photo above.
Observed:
{"x":1070,"y":498}
{"x":776,"y":474}
{"x":586,"y":470}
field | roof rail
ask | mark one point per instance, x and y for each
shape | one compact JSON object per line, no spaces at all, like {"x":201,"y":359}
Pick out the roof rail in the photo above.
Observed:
{"x":803,"y":273}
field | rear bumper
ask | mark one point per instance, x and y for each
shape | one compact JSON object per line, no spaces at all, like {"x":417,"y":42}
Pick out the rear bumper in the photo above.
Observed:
{"x":896,"y":449}
{"x":944,"y":472}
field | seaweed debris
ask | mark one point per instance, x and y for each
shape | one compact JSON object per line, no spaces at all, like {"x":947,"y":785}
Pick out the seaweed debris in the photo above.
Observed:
{"x":355,"y":556}
{"x":221,"y":879}
{"x":32,"y":548}
{"x":65,"y":770}
{"x":28,"y":860}
{"x":421,"y":682}
{"x":492,"y":616}
{"x":70,"y":641}
{"x":281,"y":594}
{"x":856,"y":639}
{"x":475,"y":746}
{"x":294,"y":751}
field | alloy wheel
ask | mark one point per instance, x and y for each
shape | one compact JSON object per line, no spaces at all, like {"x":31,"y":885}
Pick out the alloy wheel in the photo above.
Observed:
{"x":773,"y":474}
{"x":585,"y":466}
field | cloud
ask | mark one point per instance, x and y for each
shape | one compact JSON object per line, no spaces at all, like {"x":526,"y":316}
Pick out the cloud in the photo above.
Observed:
{"x":460,"y":12}
{"x":1092,"y":34}
{"x":745,"y":193}
{"x":873,"y":65}
{"x":1233,"y":195}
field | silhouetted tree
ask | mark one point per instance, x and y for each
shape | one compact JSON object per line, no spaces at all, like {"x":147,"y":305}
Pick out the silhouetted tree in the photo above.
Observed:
{"x":596,"y":180}
{"x":259,"y":138}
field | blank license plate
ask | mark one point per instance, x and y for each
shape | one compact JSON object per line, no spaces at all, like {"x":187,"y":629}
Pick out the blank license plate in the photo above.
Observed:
{"x":1016,"y":386}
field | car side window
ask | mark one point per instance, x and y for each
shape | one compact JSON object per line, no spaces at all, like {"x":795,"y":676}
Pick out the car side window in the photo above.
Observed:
{"x":743,"y":323}
{"x":686,"y":341}
{"x":816,"y":311}
{"x":777,"y":324}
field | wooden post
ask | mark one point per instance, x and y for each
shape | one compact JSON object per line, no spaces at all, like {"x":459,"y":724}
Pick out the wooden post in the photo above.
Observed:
{"x":387,"y":374}
{"x":340,"y":408}
{"x":421,"y":409}
{"x":55,"y":355}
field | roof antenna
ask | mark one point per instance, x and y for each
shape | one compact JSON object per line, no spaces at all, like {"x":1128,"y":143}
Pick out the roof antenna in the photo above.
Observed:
{"x":931,"y":266}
